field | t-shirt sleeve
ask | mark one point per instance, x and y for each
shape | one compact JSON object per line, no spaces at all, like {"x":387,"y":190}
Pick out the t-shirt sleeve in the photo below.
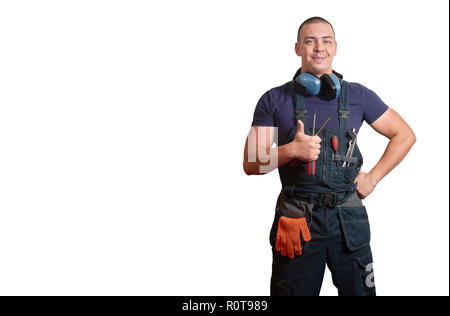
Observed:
{"x":264,"y":115}
{"x":373,"y":106}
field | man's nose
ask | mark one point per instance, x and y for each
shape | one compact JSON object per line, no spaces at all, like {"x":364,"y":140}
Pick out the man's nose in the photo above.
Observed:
{"x":319,"y":46}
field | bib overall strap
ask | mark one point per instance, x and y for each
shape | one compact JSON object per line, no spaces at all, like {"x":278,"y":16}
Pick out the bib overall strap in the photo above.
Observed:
{"x":343,"y":106}
{"x":344,"y":113}
{"x":300,"y":106}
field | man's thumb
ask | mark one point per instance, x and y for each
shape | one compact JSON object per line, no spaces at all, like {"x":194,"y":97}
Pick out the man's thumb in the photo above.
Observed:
{"x":301,"y":127}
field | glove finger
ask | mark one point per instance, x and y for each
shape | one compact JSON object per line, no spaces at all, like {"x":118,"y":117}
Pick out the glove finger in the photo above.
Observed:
{"x":283,"y":246}
{"x":297,"y":244}
{"x":279,"y":233}
{"x":298,"y":249}
{"x":278,"y":242}
{"x":305,"y":231}
{"x":290,"y":249}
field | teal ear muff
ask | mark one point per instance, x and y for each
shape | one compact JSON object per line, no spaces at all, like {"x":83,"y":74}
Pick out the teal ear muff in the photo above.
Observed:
{"x":309,"y":83}
{"x":328,"y":87}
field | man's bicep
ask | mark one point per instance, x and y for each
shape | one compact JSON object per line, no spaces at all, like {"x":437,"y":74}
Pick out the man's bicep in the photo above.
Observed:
{"x":389,"y":123}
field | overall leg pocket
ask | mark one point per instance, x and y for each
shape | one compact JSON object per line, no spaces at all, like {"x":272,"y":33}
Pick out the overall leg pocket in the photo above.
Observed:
{"x":355,"y":226}
{"x":293,"y":207}
{"x":289,"y":209}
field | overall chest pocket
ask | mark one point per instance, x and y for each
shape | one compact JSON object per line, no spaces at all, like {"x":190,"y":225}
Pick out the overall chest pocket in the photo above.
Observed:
{"x":340,"y":175}
{"x":347,"y":174}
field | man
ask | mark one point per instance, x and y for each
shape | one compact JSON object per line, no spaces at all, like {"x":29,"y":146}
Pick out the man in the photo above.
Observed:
{"x":320,"y":219}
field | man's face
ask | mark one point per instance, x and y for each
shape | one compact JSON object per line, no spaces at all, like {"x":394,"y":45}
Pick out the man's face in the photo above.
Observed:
{"x":317,"y":47}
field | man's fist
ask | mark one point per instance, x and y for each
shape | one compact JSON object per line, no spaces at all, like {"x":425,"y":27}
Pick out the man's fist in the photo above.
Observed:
{"x":365,"y":184}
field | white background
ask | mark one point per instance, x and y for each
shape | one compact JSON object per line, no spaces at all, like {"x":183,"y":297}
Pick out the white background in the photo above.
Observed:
{"x":122,"y":129}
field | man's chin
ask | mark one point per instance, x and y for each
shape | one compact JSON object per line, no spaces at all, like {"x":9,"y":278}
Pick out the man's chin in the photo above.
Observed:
{"x":319,"y":70}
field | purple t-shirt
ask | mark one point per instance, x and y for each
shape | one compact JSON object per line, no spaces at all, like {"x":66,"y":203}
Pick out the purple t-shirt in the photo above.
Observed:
{"x":277,"y":108}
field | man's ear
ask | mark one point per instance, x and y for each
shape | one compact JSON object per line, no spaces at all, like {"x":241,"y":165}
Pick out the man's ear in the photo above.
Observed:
{"x":335,"y":51}
{"x":297,"y":49}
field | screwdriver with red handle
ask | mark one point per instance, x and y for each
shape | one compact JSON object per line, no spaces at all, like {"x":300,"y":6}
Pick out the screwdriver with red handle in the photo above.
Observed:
{"x":335,"y":144}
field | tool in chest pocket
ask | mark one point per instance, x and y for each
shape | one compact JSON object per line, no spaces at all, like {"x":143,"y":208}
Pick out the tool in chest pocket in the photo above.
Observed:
{"x":351,"y":147}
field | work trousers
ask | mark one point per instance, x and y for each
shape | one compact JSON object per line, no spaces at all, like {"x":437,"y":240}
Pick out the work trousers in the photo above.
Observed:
{"x":339,"y":240}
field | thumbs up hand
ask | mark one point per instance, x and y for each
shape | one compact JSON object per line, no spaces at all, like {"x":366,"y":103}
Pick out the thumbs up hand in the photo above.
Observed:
{"x":304,"y":147}
{"x":300,"y":129}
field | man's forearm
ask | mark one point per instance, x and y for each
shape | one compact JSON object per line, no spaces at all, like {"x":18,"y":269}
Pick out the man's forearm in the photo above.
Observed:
{"x":396,"y":150}
{"x":278,"y":157}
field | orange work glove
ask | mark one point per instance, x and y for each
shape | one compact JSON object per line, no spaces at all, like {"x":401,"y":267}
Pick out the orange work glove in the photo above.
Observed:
{"x":288,"y":235}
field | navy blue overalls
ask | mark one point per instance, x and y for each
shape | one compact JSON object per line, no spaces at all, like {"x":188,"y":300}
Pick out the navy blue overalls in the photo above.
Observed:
{"x":336,"y":217}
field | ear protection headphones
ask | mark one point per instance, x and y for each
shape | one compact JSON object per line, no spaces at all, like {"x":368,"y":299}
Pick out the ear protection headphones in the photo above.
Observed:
{"x":328,"y":87}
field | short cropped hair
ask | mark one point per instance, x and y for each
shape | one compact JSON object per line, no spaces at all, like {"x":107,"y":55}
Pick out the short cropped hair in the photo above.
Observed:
{"x":314,"y":19}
